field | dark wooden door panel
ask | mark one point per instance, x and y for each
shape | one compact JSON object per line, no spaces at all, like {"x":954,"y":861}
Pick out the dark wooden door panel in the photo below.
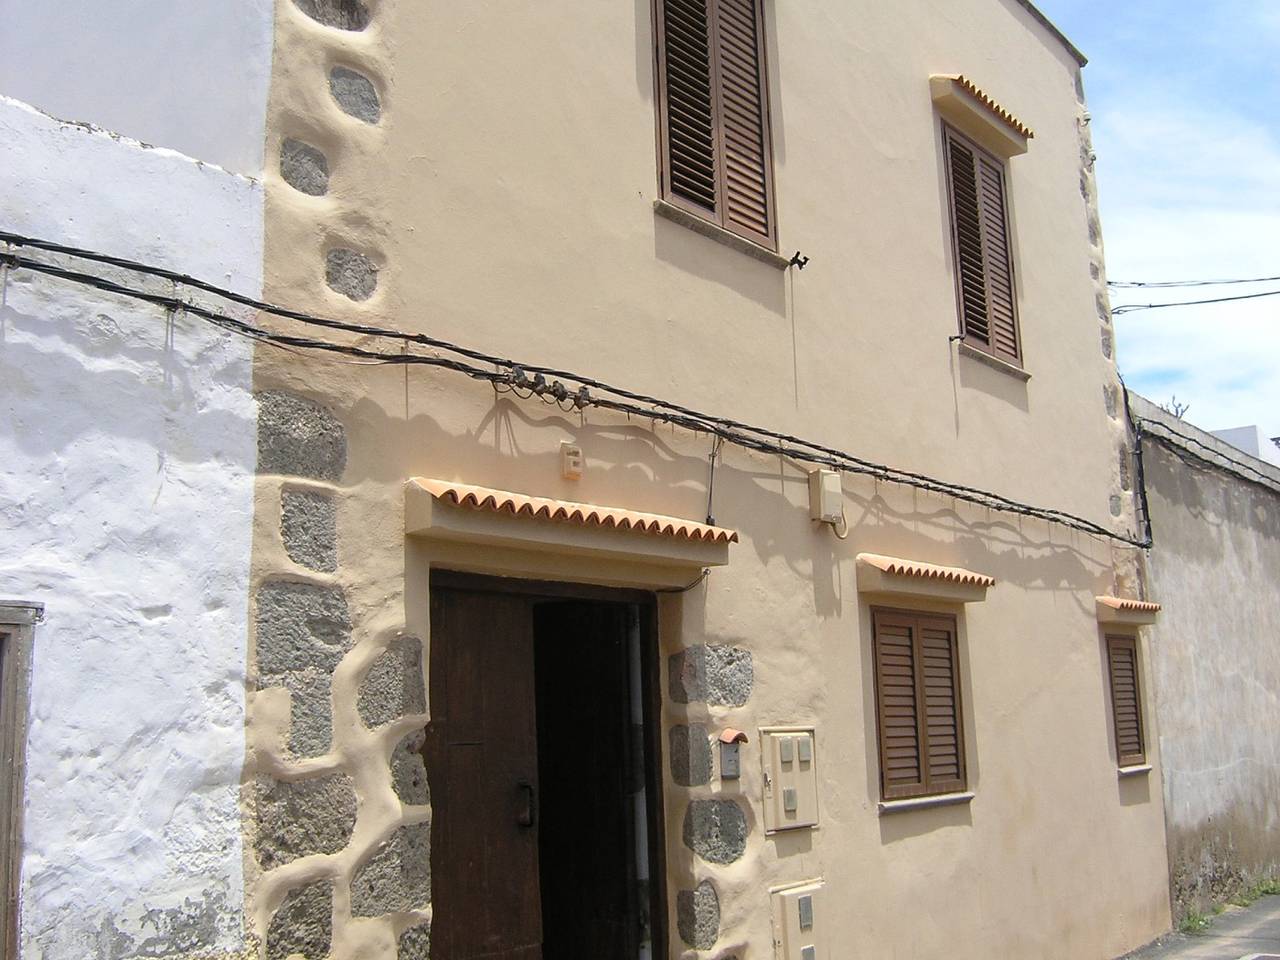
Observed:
{"x":481,"y":758}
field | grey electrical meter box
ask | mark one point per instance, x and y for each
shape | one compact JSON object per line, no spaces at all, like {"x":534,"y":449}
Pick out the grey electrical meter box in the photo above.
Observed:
{"x":730,"y":762}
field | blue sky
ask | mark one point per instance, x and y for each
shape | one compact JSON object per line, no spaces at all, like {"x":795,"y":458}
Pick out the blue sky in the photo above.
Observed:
{"x":1185,"y":100}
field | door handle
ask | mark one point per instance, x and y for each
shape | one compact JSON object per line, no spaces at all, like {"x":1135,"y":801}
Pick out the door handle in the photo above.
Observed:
{"x":528,"y":815}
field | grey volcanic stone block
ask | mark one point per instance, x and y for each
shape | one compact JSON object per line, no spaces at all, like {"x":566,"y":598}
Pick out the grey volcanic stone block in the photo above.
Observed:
{"x":398,"y":877}
{"x":304,"y":167}
{"x":716,"y":830}
{"x":303,"y":631}
{"x":415,"y":943}
{"x":408,"y":772}
{"x":1110,"y":399}
{"x":303,"y":924}
{"x":302,"y":817}
{"x":1106,"y":343}
{"x":355,"y":94}
{"x":340,"y":14}
{"x":309,"y":529}
{"x":690,"y":755}
{"x":350,"y":273}
{"x":721,"y":675}
{"x":300,"y":438}
{"x":698,"y":916}
{"x":393,"y":687}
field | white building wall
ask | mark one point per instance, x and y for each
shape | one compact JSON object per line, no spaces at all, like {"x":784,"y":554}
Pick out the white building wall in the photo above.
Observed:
{"x":128,"y":445}
{"x":191,"y":75}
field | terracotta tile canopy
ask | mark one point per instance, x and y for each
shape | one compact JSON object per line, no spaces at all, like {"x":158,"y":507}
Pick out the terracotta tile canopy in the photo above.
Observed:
{"x":579,"y":514}
{"x":984,"y":98}
{"x":927,"y":571}
{"x":1128,"y":606}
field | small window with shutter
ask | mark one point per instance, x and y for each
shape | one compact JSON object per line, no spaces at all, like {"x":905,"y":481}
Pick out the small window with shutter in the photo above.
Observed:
{"x":982,"y":249}
{"x":713,"y":103}
{"x":921,"y":730}
{"x":1126,"y":701}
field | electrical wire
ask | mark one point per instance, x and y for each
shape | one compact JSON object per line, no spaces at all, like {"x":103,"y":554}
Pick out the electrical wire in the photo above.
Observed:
{"x":1135,"y":307}
{"x":1166,"y":284}
{"x":1166,"y":434}
{"x":512,"y":374}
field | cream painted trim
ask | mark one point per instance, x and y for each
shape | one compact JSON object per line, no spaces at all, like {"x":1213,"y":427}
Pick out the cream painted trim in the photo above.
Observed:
{"x":874,"y":580}
{"x":1135,"y":771}
{"x":1113,"y":610}
{"x":669,"y":211}
{"x":1004,"y":366}
{"x":924,"y":803}
{"x":425,"y":516}
{"x":971,"y":116}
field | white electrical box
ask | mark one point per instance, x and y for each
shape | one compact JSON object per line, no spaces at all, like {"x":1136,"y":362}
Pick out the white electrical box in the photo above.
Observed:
{"x":790,"y":778}
{"x":571,"y":462}
{"x":799,"y":921}
{"x":826,"y":496}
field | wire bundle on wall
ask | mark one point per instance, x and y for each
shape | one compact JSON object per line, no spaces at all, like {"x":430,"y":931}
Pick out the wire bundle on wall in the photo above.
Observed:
{"x":522,"y":379}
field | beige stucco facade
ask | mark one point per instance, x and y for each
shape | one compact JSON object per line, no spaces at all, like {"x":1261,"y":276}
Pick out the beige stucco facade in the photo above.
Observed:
{"x":505,"y":196}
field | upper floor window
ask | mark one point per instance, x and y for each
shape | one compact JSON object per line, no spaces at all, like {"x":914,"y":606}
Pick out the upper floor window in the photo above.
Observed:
{"x":1126,"y":700}
{"x":713,"y":104}
{"x":982,"y":248}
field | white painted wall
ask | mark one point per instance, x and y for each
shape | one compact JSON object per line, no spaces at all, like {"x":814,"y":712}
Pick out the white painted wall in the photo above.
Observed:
{"x":176,"y":73}
{"x":125,"y":507}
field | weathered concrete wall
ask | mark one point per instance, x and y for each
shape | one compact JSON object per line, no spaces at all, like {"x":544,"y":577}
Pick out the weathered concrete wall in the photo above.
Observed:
{"x":126,"y":503}
{"x":185,"y":74}
{"x":1215,"y":661}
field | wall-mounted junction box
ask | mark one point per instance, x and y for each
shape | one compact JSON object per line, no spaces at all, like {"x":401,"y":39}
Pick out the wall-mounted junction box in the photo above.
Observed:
{"x":826,"y":496}
{"x":800,"y":921}
{"x":571,"y":461}
{"x":790,"y":762}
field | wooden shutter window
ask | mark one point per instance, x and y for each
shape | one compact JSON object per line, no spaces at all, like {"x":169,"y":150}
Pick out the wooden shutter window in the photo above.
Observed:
{"x":1126,"y":701}
{"x":714,"y":113}
{"x":983,"y":254}
{"x":918,"y":709}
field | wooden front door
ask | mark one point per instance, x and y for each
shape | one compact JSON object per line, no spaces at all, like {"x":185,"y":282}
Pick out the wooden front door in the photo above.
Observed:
{"x":481,"y":758}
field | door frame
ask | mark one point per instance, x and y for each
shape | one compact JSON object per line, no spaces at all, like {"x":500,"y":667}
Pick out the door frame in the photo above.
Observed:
{"x":651,"y":690}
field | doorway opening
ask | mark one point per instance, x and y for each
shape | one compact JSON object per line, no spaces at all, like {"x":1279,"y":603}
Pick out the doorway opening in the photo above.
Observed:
{"x":543,"y":760}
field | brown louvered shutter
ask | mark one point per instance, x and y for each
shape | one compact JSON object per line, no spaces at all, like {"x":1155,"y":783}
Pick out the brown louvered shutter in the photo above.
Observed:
{"x":980,"y":238}
{"x":940,"y":677}
{"x":1126,"y":702}
{"x":901,"y":771}
{"x":714,"y":108}
{"x":921,"y":735}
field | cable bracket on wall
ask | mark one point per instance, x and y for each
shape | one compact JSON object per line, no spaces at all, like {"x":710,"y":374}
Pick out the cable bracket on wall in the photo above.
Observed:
{"x":798,"y":261}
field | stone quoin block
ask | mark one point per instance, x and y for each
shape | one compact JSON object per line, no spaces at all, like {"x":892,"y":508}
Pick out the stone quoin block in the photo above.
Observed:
{"x":415,"y":943}
{"x":1110,"y":399}
{"x":355,"y":94}
{"x":393,"y":687}
{"x":339,"y":14}
{"x":720,"y":675}
{"x":398,"y":877}
{"x":303,"y":925}
{"x":716,"y":830}
{"x":309,"y":529}
{"x":698,"y":916}
{"x":303,"y":631}
{"x":690,"y":749}
{"x":304,"y":167}
{"x":409,"y":772}
{"x":1106,"y":343}
{"x":298,"y":437}
{"x":351,"y":274}
{"x":301,"y":817}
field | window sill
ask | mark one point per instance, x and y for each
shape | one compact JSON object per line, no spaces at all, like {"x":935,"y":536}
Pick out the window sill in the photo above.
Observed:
{"x":669,"y":211}
{"x":1138,"y":771}
{"x":923,"y":803}
{"x":1003,"y":366}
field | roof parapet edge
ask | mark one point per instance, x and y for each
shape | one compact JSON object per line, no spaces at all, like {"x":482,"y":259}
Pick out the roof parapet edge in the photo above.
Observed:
{"x":1058,"y":35}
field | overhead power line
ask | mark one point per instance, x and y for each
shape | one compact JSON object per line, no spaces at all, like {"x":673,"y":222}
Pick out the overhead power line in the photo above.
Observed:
{"x":1153,"y":284}
{"x":525,"y":380}
{"x":1135,"y":307}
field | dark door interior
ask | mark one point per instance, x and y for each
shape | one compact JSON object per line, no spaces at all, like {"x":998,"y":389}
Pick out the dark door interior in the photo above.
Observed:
{"x":542,"y":828}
